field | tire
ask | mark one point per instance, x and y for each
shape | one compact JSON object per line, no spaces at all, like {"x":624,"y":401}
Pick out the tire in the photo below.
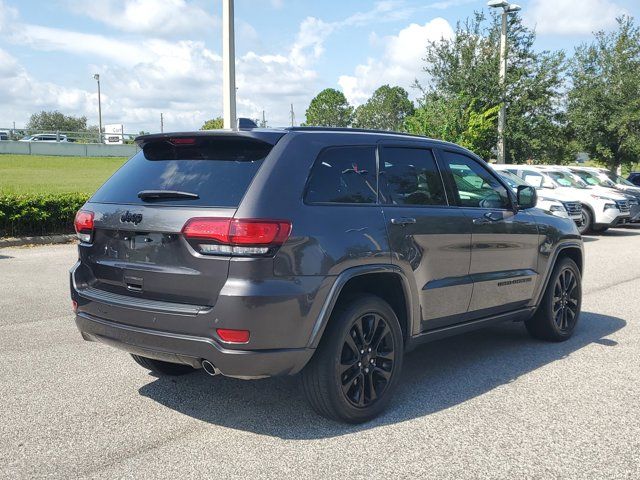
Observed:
{"x":368,"y":324}
{"x":163,"y":368}
{"x":587,"y":221}
{"x":559,"y":311}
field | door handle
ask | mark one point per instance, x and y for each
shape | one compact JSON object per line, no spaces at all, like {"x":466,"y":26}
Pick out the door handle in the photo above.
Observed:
{"x":403,"y":221}
{"x":489,"y":217}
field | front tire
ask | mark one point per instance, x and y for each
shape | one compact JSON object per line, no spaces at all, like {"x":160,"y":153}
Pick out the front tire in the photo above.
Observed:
{"x":161,"y":368}
{"x":356,"y":367}
{"x":559,"y":311}
{"x":587,"y":221}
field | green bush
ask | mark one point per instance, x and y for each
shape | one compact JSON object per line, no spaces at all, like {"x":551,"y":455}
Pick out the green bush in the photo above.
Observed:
{"x":24,"y":215}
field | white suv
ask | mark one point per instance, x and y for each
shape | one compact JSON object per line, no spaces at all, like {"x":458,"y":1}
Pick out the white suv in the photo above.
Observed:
{"x":559,"y":203}
{"x":603,"y":178}
{"x":601,"y":208}
{"x":45,"y":137}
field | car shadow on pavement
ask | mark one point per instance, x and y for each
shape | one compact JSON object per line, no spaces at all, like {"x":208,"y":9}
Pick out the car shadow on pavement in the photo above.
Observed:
{"x":435,"y":377}
{"x":621,"y":232}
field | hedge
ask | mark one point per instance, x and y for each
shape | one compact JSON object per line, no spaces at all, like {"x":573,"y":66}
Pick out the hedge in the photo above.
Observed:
{"x":24,"y":215}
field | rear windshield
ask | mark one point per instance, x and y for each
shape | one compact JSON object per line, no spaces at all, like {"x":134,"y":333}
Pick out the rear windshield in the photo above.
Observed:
{"x":218,"y":170}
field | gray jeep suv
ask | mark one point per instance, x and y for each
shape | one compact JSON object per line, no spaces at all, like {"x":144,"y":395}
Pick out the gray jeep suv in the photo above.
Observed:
{"x":329,"y":252}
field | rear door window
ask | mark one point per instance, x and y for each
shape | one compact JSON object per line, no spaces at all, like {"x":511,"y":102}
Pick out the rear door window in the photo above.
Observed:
{"x":343,"y":175}
{"x":409,"y":176}
{"x":218,"y":170}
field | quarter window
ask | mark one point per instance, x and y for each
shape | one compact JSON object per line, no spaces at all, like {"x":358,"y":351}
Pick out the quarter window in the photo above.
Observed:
{"x":409,"y":176}
{"x":475,"y":185}
{"x":343,"y":175}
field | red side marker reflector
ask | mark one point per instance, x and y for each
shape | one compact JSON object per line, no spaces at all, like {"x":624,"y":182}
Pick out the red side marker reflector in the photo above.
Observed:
{"x":74,"y":306}
{"x":233,"y":336}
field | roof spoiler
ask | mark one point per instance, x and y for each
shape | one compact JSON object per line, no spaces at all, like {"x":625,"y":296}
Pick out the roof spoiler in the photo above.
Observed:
{"x":189,"y":138}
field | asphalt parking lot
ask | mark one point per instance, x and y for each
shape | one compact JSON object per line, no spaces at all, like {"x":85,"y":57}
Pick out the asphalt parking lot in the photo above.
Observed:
{"x":489,"y":404}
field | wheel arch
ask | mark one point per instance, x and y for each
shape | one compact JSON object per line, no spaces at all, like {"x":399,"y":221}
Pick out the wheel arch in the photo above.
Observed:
{"x":385,"y":281}
{"x":572,"y":250}
{"x":574,"y":253}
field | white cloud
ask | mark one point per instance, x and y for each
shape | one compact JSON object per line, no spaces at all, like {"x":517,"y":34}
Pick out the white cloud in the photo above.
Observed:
{"x":140,"y":79}
{"x":55,"y":39}
{"x":21,"y":95}
{"x":569,"y":17}
{"x":309,"y":44}
{"x":143,"y":75}
{"x":400,"y":62}
{"x":155,"y":17}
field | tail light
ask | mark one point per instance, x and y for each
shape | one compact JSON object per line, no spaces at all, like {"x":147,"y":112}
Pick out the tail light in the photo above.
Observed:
{"x":84,"y":225}
{"x":242,"y":237}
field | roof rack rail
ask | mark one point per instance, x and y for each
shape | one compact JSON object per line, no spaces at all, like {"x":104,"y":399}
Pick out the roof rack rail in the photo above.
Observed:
{"x":350,"y":129}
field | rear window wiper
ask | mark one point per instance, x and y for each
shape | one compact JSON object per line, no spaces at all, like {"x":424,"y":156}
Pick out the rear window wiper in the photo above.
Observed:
{"x":166,"y":194}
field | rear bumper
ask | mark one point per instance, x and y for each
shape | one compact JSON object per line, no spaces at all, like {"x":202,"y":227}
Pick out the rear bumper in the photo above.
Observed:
{"x":191,"y":350}
{"x":280,"y":314}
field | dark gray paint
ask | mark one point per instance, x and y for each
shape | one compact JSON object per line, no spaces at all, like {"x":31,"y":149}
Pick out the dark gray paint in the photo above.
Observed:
{"x":450,"y":268}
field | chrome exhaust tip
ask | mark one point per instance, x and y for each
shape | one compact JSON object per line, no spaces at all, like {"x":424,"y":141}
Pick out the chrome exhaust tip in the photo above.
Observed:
{"x":208,"y":367}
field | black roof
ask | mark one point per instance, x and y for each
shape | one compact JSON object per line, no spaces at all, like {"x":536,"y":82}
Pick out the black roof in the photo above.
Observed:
{"x":272,"y":135}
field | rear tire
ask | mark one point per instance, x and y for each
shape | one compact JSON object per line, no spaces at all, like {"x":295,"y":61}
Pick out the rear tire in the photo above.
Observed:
{"x":559,"y":311}
{"x":356,"y":368}
{"x":163,"y":368}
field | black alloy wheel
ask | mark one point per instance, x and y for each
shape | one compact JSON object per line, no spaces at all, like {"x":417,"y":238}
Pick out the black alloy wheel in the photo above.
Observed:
{"x":356,"y":367}
{"x":557,"y":315}
{"x":565,"y":300}
{"x":367,"y":360}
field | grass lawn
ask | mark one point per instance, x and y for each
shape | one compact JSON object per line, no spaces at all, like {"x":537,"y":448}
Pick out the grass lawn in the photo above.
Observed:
{"x":39,"y":174}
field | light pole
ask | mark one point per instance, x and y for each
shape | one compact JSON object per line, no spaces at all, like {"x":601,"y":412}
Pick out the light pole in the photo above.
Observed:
{"x":97,"y":79}
{"x":228,"y":66}
{"x":507,"y":8}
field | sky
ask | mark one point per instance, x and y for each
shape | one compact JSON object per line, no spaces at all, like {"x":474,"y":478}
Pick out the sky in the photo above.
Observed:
{"x":164,"y":56}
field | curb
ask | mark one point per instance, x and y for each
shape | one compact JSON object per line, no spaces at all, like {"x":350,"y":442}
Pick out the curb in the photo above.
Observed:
{"x":46,"y":240}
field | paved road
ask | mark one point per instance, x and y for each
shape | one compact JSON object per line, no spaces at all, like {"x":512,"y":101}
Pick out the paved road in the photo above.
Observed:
{"x":490,"y":404}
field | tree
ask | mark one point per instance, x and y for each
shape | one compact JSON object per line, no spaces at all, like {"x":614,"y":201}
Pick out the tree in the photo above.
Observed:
{"x":452,"y":121}
{"x":213,"y":124}
{"x":329,"y":108}
{"x":56,"y":121}
{"x":604,"y":102}
{"x":463,"y":84}
{"x":387,"y":109}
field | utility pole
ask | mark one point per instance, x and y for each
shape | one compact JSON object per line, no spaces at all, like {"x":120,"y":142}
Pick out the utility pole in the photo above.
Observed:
{"x":228,"y":66}
{"x":161,"y":122}
{"x":507,"y":8}
{"x":293,"y":116}
{"x":264,"y":120}
{"x":96,"y":77}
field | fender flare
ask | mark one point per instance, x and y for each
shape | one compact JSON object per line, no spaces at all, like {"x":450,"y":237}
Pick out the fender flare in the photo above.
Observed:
{"x":342,"y":279}
{"x":552,"y":264}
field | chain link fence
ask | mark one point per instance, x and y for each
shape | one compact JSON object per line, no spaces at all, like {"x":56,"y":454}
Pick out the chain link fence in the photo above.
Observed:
{"x":61,"y":136}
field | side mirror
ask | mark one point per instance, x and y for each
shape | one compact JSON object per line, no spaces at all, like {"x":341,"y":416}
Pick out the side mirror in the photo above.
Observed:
{"x":527,"y":197}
